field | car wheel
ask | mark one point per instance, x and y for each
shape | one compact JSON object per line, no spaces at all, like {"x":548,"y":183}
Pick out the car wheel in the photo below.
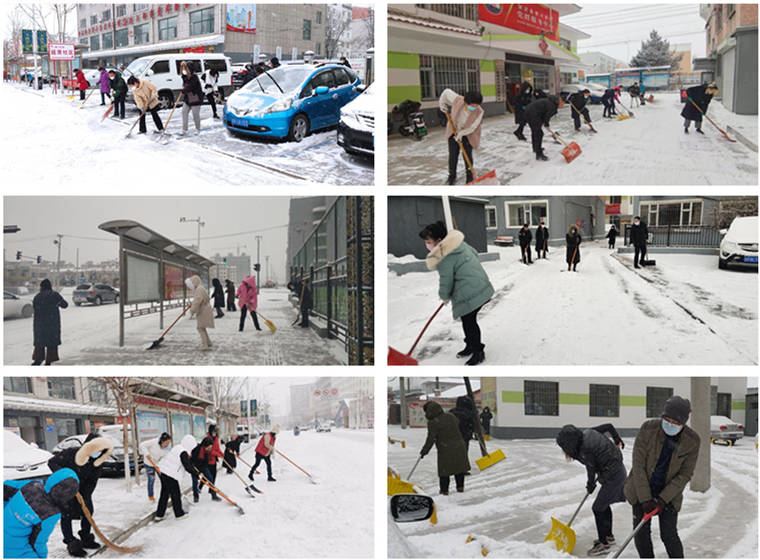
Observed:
{"x":98,"y":301}
{"x":27,"y":311}
{"x":722,"y":264}
{"x":116,"y":299}
{"x":165,"y":99}
{"x":299,"y":128}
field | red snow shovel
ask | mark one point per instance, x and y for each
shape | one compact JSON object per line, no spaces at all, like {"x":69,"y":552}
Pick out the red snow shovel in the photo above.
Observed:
{"x":570,"y":151}
{"x":712,"y":122}
{"x":644,"y":521}
{"x":487,"y":179}
{"x":157,"y":342}
{"x":396,"y":358}
{"x":311,"y":478}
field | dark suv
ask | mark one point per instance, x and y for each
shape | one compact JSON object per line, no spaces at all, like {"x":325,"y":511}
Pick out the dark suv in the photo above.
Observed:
{"x":95,"y":293}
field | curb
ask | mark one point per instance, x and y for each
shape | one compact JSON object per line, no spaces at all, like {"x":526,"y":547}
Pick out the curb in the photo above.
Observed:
{"x":743,"y":139}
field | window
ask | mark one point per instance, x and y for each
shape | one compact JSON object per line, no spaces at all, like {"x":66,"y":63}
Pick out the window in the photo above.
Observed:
{"x":160,"y":67}
{"x":140,"y":7}
{"x":195,"y":65}
{"x":465,"y":11}
{"x":107,"y":40}
{"x":319,"y":18}
{"x":672,"y":213}
{"x":93,"y":20}
{"x":122,"y":37}
{"x":142,"y":34}
{"x":17,"y":384}
{"x":319,"y":48}
{"x":202,"y":21}
{"x":218,"y":65}
{"x":95,"y":43}
{"x":82,"y":23}
{"x":565,"y":44}
{"x":616,"y":200}
{"x":656,"y":397}
{"x":541,"y":398}
{"x":61,"y":388}
{"x":426,"y":76}
{"x":167,"y":28}
{"x":121,"y":10}
{"x":107,"y":15}
{"x":341,"y":77}
{"x":65,"y":427}
{"x":306,"y":36}
{"x":98,"y":391}
{"x":440,"y":72}
{"x":84,"y":40}
{"x":604,"y":400}
{"x":491,"y":217}
{"x":519,"y":213}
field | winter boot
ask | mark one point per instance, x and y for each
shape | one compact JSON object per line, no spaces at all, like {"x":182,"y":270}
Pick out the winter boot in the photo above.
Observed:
{"x":216,"y":498}
{"x":271,"y":479}
{"x":158,"y":519}
{"x":700,"y":131}
{"x":151,"y":498}
{"x":75,"y":549}
{"x":577,"y":129}
{"x":460,"y":489}
{"x":88,"y":541}
{"x":541,"y":157}
{"x":451,"y":180}
{"x":184,"y":515}
{"x":464,"y":353}
{"x":476,"y":358}
{"x":195,"y":498}
{"x":600,"y":548}
{"x":686,"y":131}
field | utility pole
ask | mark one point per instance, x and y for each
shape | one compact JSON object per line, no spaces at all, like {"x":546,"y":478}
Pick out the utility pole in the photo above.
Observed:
{"x":402,"y":394}
{"x":258,"y":263}
{"x":58,"y":262}
{"x":183,"y":220}
{"x":267,"y":276}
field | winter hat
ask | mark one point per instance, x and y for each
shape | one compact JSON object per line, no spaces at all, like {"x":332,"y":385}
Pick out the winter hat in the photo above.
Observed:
{"x":464,"y":402}
{"x":188,"y":442}
{"x":62,"y":486}
{"x":46,"y":285}
{"x":432,"y":409}
{"x":570,"y":439}
{"x":276,"y":429}
{"x":677,"y":408}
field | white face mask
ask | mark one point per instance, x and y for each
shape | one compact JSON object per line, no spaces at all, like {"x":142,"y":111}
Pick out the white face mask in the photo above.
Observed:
{"x":670,"y":429}
{"x":189,"y":284}
{"x":429,"y":245}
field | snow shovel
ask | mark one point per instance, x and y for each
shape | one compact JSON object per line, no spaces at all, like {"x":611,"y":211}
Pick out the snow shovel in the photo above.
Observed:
{"x":213,"y":488}
{"x":247,"y":487}
{"x":108,"y":112}
{"x":712,"y":122}
{"x":487,"y":179}
{"x":562,"y":535}
{"x":398,"y":486}
{"x":584,"y":118}
{"x":108,"y":543}
{"x":166,"y":124}
{"x":414,"y":468}
{"x":134,"y":124}
{"x":396,"y":358}
{"x":267,"y":322}
{"x":628,"y":114}
{"x":644,"y":521}
{"x":82,"y":104}
{"x":159,"y":340}
{"x":488,"y":459}
{"x":311,"y":478}
{"x":246,"y":463}
{"x":570,"y":151}
{"x":572,"y":261}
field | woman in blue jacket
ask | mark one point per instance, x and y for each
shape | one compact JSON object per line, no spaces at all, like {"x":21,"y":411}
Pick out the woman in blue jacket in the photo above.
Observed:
{"x":461,"y":280}
{"x":31,"y":511}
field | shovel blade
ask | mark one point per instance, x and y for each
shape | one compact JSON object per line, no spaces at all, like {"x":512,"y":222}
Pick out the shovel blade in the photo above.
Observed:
{"x":487,"y":179}
{"x":156,"y":344}
{"x":396,"y":358}
{"x":623,"y":117}
{"x":490,"y":459}
{"x":571,"y":151}
{"x":562,"y":535}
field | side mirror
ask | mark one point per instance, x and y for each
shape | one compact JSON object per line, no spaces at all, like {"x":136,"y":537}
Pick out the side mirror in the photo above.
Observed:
{"x":148,"y":73}
{"x":360,"y":88}
{"x":411,"y":507}
{"x":321,"y":90}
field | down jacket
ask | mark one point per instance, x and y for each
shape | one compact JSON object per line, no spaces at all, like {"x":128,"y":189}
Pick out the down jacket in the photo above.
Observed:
{"x":594,"y":450}
{"x":146,"y":95}
{"x":248,"y":294}
{"x":47,"y":318}
{"x":177,"y":461}
{"x":443,"y":432}
{"x":461,"y":277}
{"x":201,"y":306}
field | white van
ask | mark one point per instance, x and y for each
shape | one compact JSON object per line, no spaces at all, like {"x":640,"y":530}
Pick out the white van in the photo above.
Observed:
{"x":163,"y":72}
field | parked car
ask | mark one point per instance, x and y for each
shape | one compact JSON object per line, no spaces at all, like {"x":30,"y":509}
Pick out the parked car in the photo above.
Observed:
{"x":22,"y":460}
{"x":238,"y":72}
{"x":739,"y":245}
{"x":596,"y":90}
{"x":356,"y":128}
{"x":242,"y":432}
{"x":291,"y":101}
{"x":114,"y":465}
{"x":163,"y":72}
{"x":16,"y":306}
{"x":95,"y":293}
{"x":724,"y":429}
{"x":324,"y":426}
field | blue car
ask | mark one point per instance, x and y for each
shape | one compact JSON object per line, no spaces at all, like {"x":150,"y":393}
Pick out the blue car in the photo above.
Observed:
{"x":291,"y":101}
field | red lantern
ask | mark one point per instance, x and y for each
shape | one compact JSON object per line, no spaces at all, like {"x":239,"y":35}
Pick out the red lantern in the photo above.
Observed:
{"x":160,"y":11}
{"x":145,"y":16}
{"x":152,"y":15}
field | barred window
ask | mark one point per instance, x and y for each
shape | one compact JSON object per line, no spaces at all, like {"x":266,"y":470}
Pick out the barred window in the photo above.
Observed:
{"x":426,"y":76}
{"x":672,"y":213}
{"x":541,"y":398}
{"x":438,"y":73}
{"x":17,"y":384}
{"x":465,"y":11}
{"x":61,"y":388}
{"x":604,"y":400}
{"x":656,"y":397}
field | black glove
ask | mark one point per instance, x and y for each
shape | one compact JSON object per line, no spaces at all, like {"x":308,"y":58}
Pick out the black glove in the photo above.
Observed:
{"x":422,"y":454}
{"x":620,"y":444}
{"x":654,"y":503}
{"x":590,"y":486}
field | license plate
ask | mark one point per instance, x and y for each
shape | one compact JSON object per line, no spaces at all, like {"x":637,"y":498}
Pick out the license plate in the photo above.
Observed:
{"x":750,"y":259}
{"x":237,"y":121}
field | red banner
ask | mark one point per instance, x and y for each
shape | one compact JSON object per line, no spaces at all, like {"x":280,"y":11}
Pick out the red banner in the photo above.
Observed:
{"x":527,"y":18}
{"x":195,"y":49}
{"x":612,"y":209}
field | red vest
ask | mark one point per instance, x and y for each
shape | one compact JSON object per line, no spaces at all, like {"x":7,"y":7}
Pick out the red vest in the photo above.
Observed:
{"x":261,"y":448}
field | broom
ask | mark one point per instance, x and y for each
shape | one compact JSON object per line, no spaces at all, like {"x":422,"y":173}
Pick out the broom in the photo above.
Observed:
{"x":109,"y":544}
{"x":488,"y":178}
{"x":267,"y":322}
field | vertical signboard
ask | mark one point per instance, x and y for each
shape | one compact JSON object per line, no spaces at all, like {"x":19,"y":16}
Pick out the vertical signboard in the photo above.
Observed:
{"x":173,"y":282}
{"x":42,"y":44}
{"x":27,"y":41}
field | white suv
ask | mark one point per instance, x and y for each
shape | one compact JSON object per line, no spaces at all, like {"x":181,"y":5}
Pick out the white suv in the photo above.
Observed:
{"x":739,"y":245}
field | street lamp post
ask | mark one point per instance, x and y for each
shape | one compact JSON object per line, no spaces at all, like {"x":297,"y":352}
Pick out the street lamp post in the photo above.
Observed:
{"x":183,"y":220}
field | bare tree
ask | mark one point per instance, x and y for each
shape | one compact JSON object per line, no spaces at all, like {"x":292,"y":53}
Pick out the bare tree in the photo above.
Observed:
{"x":121,"y":389}
{"x":223,"y":390}
{"x":336,"y":25}
{"x":364,"y":38}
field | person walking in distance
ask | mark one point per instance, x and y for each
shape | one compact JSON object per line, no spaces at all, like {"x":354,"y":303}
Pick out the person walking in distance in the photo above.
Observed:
{"x":611,"y":236}
{"x":218,"y":297}
{"x":230,"y":285}
{"x":307,"y":302}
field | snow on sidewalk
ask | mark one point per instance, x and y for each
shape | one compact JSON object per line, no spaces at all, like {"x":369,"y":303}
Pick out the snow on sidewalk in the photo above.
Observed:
{"x":508,"y":507}
{"x":650,"y":149}
{"x":90,"y":337}
{"x":684,"y":311}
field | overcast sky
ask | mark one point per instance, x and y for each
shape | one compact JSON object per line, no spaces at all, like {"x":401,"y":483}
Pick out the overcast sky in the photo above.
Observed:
{"x":618,"y":29}
{"x":275,"y":390}
{"x":77,"y":218}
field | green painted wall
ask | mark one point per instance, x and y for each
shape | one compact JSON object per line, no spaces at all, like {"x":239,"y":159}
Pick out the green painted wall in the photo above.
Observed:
{"x":487,"y":66}
{"x":408,"y":61}
{"x":738,"y":405}
{"x":397,"y":94}
{"x":517,"y":397}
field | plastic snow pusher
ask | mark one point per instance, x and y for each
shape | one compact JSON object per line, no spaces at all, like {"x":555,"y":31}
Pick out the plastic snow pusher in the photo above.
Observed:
{"x":571,"y":150}
{"x":488,"y":178}
{"x":396,"y":358}
{"x":562,"y":535}
{"x":488,"y":459}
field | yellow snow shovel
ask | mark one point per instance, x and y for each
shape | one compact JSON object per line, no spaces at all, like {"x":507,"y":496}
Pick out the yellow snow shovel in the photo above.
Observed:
{"x":398,"y":486}
{"x":488,"y":459}
{"x":562,"y":535}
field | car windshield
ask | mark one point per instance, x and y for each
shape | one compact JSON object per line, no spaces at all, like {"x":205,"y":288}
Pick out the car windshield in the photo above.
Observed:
{"x":83,"y":287}
{"x":289,"y":78}
{"x":136,"y":67}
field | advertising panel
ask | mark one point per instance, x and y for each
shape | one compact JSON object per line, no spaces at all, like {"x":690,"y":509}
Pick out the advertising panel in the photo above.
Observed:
{"x":150,"y":425}
{"x":61,"y":51}
{"x":27,"y":41}
{"x":527,"y":18}
{"x":180,"y":426}
{"x":199,"y":425}
{"x":241,"y":18}
{"x":42,"y":42}
{"x":142,"y":280}
{"x":655,"y":79}
{"x":173,"y":282}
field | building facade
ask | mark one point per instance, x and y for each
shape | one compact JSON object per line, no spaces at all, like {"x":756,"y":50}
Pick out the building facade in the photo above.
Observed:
{"x":618,"y":211}
{"x":598,"y":62}
{"x":731,"y":36}
{"x":232,"y":267}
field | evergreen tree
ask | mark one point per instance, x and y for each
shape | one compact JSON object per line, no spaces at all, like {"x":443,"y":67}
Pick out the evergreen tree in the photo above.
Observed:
{"x":655,"y":52}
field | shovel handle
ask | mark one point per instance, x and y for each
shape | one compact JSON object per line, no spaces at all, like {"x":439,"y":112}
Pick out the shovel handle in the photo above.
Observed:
{"x":556,"y":136}
{"x":583,"y":501}
{"x":414,"y":468}
{"x":425,"y":328}
{"x":644,"y":521}
{"x":461,"y":147}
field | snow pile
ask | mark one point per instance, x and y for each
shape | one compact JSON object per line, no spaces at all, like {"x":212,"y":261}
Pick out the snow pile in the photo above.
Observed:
{"x":402,"y":260}
{"x":684,"y":311}
{"x":650,"y":148}
{"x":508,"y":507}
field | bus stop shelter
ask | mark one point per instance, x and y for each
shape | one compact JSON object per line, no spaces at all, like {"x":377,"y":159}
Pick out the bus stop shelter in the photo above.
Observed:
{"x":152,"y":270}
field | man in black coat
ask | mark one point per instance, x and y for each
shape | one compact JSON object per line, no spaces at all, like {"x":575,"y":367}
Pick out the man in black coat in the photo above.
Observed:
{"x":521,"y":102}
{"x":307,"y":302}
{"x":639,"y":237}
{"x":86,"y":461}
{"x":542,"y":239}
{"x":465,"y":413}
{"x":608,"y":100}
{"x":701,"y":95}
{"x":46,"y":324}
{"x":230,"y":295}
{"x":578,"y":102}
{"x":611,"y":236}
{"x":604,"y":462}
{"x":525,"y":237}
{"x":634,"y":92}
{"x":537,"y":115}
{"x":485,"y":420}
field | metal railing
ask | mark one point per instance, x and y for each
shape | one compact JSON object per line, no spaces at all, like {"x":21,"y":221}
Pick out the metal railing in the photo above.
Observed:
{"x":680,"y":236}
{"x":329,"y":293}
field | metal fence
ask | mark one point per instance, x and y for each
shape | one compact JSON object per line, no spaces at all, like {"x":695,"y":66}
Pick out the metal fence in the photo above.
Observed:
{"x":680,"y":236}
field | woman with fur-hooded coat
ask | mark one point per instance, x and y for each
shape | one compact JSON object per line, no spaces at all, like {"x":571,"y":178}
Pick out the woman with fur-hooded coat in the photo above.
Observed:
{"x":86,"y":461}
{"x":461,"y":280}
{"x":201,"y":309}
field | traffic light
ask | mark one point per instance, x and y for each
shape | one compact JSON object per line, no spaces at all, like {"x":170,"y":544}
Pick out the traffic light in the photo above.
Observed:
{"x":39,"y":259}
{"x":257,"y":267}
{"x":18,"y":255}
{"x":224,"y":260}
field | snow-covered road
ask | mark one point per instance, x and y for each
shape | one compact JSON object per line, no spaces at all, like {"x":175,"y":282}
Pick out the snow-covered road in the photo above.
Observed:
{"x":649,"y":149}
{"x":48,"y":138}
{"x":90,"y":336}
{"x":684,"y":311}
{"x":508,"y":507}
